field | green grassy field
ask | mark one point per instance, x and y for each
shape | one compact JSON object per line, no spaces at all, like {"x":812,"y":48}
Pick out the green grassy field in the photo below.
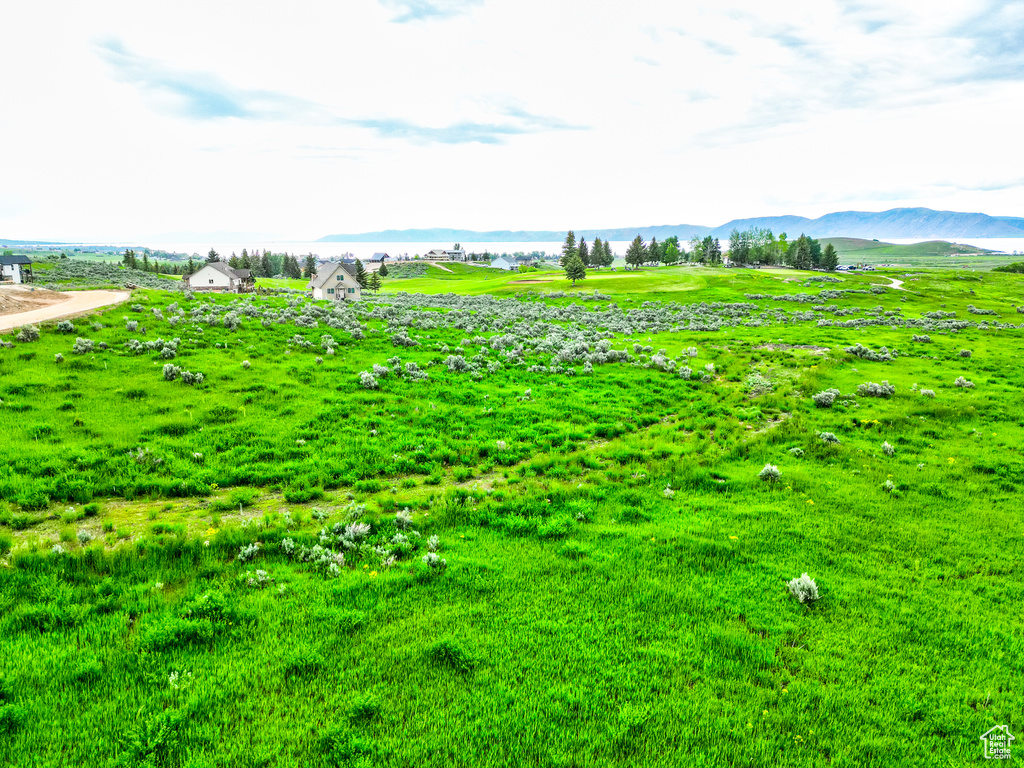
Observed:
{"x":243,"y":571}
{"x":931,"y":253}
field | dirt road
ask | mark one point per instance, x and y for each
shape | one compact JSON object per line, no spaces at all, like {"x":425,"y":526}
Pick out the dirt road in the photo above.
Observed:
{"x":56,"y":304}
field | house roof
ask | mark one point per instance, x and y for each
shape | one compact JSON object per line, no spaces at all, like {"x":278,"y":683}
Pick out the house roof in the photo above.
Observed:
{"x":224,"y":268}
{"x":327,"y":271}
{"x":379,"y":256}
{"x":15,"y":260}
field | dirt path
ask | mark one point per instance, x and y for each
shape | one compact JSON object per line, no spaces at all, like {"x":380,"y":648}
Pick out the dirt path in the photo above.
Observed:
{"x":435,"y":264}
{"x":893,"y":283}
{"x":69,"y":303}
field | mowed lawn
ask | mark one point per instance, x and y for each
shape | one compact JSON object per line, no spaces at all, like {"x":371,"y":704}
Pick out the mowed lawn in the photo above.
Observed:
{"x":243,"y":572}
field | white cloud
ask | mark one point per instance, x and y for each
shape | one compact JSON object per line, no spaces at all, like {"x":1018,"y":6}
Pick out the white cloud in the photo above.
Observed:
{"x":325,"y":117}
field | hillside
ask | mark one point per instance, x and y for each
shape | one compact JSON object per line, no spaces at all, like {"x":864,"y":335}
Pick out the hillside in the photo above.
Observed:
{"x":922,"y":223}
{"x":845,"y":245}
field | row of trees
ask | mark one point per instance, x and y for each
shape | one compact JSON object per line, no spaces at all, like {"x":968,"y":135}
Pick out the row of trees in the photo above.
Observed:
{"x":132,"y":261}
{"x":752,"y":246}
{"x":759,"y":246}
{"x":598,"y":255}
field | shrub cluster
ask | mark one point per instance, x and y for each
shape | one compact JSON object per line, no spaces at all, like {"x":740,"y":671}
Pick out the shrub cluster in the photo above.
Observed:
{"x":871,"y":389}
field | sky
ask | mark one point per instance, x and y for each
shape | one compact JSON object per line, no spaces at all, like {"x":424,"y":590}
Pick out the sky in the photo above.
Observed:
{"x":131,"y":121}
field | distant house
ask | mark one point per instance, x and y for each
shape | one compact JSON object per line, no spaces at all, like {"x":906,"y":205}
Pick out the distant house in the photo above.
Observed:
{"x":504,"y":262}
{"x":218,"y":276}
{"x":378,"y":258}
{"x":15,"y":269}
{"x":336,"y":282}
{"x":437,"y":254}
{"x":459,"y":255}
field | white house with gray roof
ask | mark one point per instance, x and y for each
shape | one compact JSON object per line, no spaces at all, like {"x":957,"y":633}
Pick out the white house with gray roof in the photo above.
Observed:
{"x":335,"y":282}
{"x":219,"y":276}
{"x":15,"y":269}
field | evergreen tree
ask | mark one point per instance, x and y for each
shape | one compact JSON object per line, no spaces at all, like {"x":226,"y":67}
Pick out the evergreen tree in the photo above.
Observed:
{"x":575,"y":269}
{"x":829,"y":258}
{"x":654,"y":250}
{"x":129,"y":259}
{"x":265,"y":270}
{"x":636,"y":254}
{"x":383,"y":271}
{"x":584,"y":252}
{"x":597,"y":253}
{"x":244,"y":260}
{"x":710,"y":251}
{"x":716,"y":252}
{"x":568,"y":249}
{"x":212,"y":256}
{"x":800,"y":253}
{"x":815,"y":248}
{"x":608,"y":257}
{"x":233,"y":262}
{"x":145,"y":262}
{"x":191,"y":266}
{"x":310,"y":266}
{"x":375,"y":282}
{"x":361,"y":277}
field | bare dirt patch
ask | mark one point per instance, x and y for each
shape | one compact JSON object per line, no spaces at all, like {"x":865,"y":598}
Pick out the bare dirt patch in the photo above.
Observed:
{"x":809,"y":348}
{"x":19,"y":299}
{"x":65,"y":304}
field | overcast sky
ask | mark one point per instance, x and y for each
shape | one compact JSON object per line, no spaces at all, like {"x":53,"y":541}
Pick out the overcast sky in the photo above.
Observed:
{"x":295,"y":120}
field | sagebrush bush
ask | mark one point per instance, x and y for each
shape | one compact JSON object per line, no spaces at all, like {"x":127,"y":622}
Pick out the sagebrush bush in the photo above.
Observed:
{"x":871,"y":389}
{"x":888,"y":449}
{"x":881,"y":356}
{"x":828,"y":438}
{"x":28,"y":334}
{"x":82,"y":346}
{"x":804,"y":589}
{"x":248,"y":552}
{"x":770,"y":473}
{"x":826,"y":398}
{"x":963,"y":383}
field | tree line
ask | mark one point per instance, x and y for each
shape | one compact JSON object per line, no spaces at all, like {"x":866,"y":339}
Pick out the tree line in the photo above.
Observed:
{"x":132,"y":261}
{"x":754,"y":246}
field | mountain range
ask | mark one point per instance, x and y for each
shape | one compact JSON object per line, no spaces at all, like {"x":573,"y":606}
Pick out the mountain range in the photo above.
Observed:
{"x":921,"y":223}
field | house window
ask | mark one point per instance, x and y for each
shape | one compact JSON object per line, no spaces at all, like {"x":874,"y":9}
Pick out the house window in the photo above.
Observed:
{"x":340,"y":277}
{"x":211,"y":281}
{"x":351,"y":290}
{"x":330,"y":290}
